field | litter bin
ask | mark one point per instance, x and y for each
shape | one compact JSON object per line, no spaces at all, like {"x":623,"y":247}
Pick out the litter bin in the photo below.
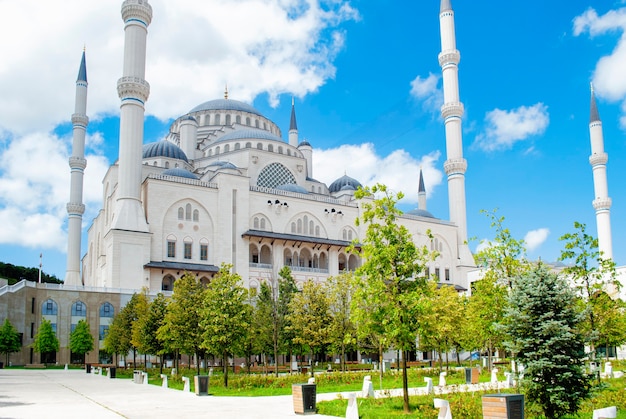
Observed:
{"x":471,"y":375}
{"x":510,"y":406}
{"x":1,"y":365}
{"x":304,"y":396}
{"x":137,"y":377}
{"x":201,"y":384}
{"x":112,"y":372}
{"x":88,"y":368}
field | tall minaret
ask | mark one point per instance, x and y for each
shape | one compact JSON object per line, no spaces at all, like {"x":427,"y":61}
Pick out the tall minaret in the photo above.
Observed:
{"x":598,"y":160}
{"x":452,"y":112}
{"x":133,"y":91}
{"x":293,"y":126}
{"x":421,"y":193}
{"x":76,"y":208}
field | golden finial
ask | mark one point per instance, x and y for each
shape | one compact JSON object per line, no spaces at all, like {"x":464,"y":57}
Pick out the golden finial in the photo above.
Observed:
{"x":226,"y":91}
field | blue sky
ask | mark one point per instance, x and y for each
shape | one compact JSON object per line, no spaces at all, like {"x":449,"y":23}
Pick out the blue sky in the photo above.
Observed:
{"x":367,"y":87}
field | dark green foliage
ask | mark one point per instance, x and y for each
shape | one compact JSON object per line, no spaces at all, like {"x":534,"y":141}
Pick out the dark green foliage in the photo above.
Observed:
{"x":16,"y":273}
{"x":46,"y":340}
{"x":81,"y":340}
{"x":542,"y":325}
{"x":9,"y":340}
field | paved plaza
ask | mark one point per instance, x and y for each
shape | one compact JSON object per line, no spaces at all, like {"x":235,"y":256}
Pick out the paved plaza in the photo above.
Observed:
{"x":75,"y":394}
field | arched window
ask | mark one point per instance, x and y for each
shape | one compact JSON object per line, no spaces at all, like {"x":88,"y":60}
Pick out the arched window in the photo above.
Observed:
{"x":311,"y":228}
{"x":79,"y":309}
{"x":270,"y":148}
{"x":280,"y":149}
{"x":266,"y":255}
{"x":248,"y":145}
{"x":264,"y":125}
{"x":167,"y":165}
{"x":188,"y":212}
{"x":299,"y":226}
{"x":196,"y":215}
{"x":238,"y":119}
{"x":217,"y":150}
{"x":204,"y":249}
{"x":171,"y":246}
{"x":262,"y":223}
{"x":254,"y":254}
{"x":227,"y":119}
{"x":181,"y":213}
{"x":248,"y":121}
{"x":226,"y":148}
{"x":293,"y":227}
{"x":49,"y":308}
{"x":317,"y":231}
{"x":237,"y":146}
{"x":107,"y":310}
{"x":256,"y":123}
{"x":217,"y":119}
{"x":259,"y":146}
{"x":187,"y":248}
{"x":256,"y":223}
{"x":306,"y":225}
{"x":167,"y":284}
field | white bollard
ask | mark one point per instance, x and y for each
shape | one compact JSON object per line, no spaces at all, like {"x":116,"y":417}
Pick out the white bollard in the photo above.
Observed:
{"x":606,"y":413}
{"x":164,"y":384}
{"x":186,"y":387}
{"x":608,"y":370}
{"x":368,"y":387}
{"x":429,"y":385}
{"x":211,"y":372}
{"x":311,"y":380}
{"x":444,"y":409}
{"x":352,"y":412}
{"x":173,"y":372}
{"x":494,"y":376}
{"x":442,"y":379}
{"x":509,"y":379}
{"x":66,"y":368}
{"x":145,"y":378}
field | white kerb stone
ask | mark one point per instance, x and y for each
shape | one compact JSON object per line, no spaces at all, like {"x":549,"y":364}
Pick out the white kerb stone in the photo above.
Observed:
{"x":164,"y":378}
{"x":368,"y":387}
{"x":442,"y":378}
{"x":444,"y":409}
{"x":429,"y":385}
{"x":186,"y":386}
{"x":352,"y":412}
{"x":606,"y":413}
{"x":494,"y":375}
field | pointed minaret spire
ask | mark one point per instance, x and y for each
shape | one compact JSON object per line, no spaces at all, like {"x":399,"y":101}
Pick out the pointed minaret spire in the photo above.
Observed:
{"x":226,"y":91}
{"x":77,"y":162}
{"x":598,"y":161}
{"x":293,"y":126}
{"x":421,"y":193}
{"x":452,"y":113}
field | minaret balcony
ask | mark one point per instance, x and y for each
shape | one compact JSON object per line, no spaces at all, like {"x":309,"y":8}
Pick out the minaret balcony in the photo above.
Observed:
{"x":452,"y":109}
{"x":598,"y":159}
{"x":449,"y":57}
{"x":80,"y":119}
{"x":602,"y":203}
{"x":129,"y":87}
{"x":137,"y":9}
{"x":75,"y":209}
{"x":455,"y":166}
{"x":77,"y":162}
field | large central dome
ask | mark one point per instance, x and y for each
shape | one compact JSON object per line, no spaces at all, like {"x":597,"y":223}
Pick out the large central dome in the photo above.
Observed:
{"x":225,"y":105}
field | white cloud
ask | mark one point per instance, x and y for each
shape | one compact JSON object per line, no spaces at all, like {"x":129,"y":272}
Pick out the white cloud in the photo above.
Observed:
{"x":608,"y":76}
{"x":398,"y":170}
{"x":535,"y":238}
{"x":426,"y":90}
{"x":505,"y":128}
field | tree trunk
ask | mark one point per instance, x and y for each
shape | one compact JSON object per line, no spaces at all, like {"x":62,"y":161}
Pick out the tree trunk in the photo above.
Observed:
{"x":134,"y":358}
{"x":343,"y":357}
{"x":224,"y":361}
{"x":161,"y":360}
{"x":145,"y":362}
{"x":197,"y":362}
{"x":311,"y":364}
{"x":405,"y":384}
{"x":458,"y":358}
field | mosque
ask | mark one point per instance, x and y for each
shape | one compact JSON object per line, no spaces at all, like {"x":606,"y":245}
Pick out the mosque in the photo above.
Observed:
{"x":225,"y":186}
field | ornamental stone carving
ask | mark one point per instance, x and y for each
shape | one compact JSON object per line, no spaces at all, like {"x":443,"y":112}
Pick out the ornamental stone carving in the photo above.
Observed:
{"x":452,"y":109}
{"x":602,"y":203}
{"x":455,"y":166}
{"x":77,"y":162}
{"x":74,"y":208}
{"x":137,"y":9}
{"x":449,"y":57}
{"x":80,"y":119}
{"x":129,"y":87}
{"x":598,"y":158}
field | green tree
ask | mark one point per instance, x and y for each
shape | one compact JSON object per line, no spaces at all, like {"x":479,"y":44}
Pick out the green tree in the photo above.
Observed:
{"x":225,"y":316}
{"x":389,"y":281}
{"x":122,"y":325}
{"x":310,"y":318}
{"x":9,"y":340}
{"x":589,"y":273}
{"x":46,"y":340}
{"x":287,"y":289}
{"x":610,"y":315}
{"x":543,"y":332}
{"x":342,"y":329}
{"x":140,"y":312}
{"x":441,"y":320}
{"x":182,"y":328}
{"x":81,"y":340}
{"x":264,"y":323}
{"x":116,"y":340}
{"x":146,"y":328}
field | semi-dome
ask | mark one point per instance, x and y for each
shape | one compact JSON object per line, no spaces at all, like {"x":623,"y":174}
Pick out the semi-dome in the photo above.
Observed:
{"x":304,"y":143}
{"x":180,"y":172}
{"x":421,"y":213}
{"x":216,"y":165}
{"x":292,"y":187}
{"x":163,"y":148}
{"x":249,"y":134}
{"x":225,"y":105}
{"x":344,"y":183}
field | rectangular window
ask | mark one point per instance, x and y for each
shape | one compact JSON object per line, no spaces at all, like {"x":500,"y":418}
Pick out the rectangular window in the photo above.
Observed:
{"x":427,"y":272}
{"x":204,"y":252}
{"x":32,"y":330}
{"x":171,"y":249}
{"x":437,"y":273}
{"x":103,"y":332}
{"x":447,"y":274}
{"x":187,"y":250}
{"x":32,"y":305}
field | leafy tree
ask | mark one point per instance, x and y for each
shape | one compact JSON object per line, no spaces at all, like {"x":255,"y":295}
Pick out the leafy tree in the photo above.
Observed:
{"x":590,"y":273}
{"x":264,"y":323}
{"x":9,"y":340}
{"x":125,"y":320}
{"x":342,"y":330}
{"x":310,"y":318}
{"x":46,"y":340}
{"x":543,"y":332}
{"x":140,"y":312}
{"x":81,"y":340}
{"x":146,"y":328}
{"x":610,"y":315}
{"x":182,"y":328}
{"x":225,"y":315}
{"x":441,"y":320}
{"x":116,"y":340}
{"x":287,"y":289}
{"x":389,"y":281}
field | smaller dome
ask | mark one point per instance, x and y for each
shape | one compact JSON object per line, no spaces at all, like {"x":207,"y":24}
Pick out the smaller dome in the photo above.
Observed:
{"x":304,"y":143}
{"x":163,"y":148}
{"x":342,"y":182}
{"x":291,"y":187}
{"x":189,"y":118}
{"x":225,"y":105}
{"x":216,"y":165}
{"x":348,"y":188}
{"x":421,"y":213}
{"x":249,"y":134}
{"x":179,"y":172}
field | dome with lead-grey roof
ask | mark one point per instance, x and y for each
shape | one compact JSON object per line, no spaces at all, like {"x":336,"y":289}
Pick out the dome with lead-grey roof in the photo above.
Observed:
{"x":163,"y":148}
{"x":225,"y":105}
{"x":344,"y":183}
{"x":179,"y":172}
{"x":216,"y":165}
{"x":249,"y":134}
{"x":291,"y":187}
{"x":421,"y":213}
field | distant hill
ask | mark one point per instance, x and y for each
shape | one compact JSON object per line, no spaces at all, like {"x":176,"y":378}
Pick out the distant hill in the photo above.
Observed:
{"x":16,"y":273}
